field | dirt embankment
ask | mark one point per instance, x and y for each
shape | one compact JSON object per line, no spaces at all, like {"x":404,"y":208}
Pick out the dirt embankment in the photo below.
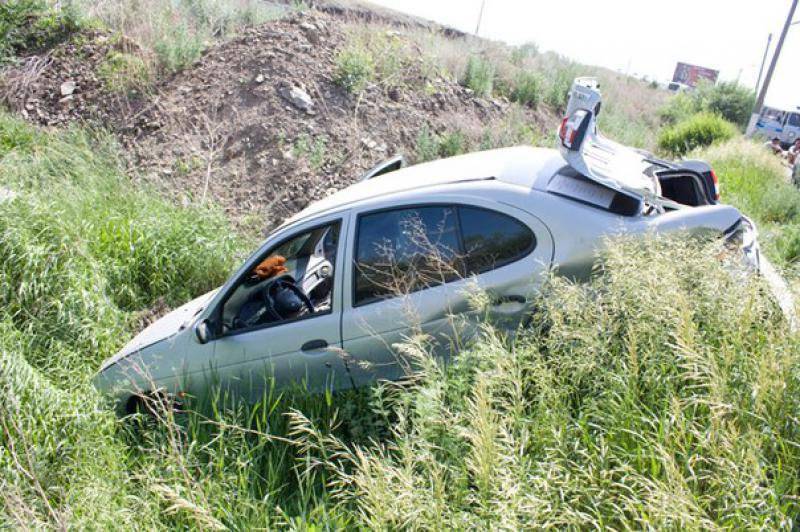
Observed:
{"x":257,"y":124}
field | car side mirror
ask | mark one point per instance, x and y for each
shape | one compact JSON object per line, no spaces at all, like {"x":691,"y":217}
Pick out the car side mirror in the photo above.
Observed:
{"x":203,"y":331}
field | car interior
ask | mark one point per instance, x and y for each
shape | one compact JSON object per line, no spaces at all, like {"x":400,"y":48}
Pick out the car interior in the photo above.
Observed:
{"x":684,"y":188}
{"x":293,"y":280}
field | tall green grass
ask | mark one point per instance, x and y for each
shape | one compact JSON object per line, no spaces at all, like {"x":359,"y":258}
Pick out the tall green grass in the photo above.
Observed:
{"x":663,"y":393}
{"x":755,"y":181}
{"x":659,"y":395}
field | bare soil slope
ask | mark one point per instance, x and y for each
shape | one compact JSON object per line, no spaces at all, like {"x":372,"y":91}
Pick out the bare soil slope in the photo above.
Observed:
{"x":236,"y":127}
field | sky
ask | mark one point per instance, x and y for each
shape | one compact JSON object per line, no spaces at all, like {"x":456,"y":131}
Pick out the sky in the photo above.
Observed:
{"x":644,"y":37}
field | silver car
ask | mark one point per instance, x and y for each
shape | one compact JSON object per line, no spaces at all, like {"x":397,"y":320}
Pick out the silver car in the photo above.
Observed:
{"x":326,"y":298}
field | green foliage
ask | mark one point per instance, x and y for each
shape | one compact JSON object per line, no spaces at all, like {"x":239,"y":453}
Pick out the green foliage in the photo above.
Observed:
{"x":700,"y":130}
{"x":728,"y":99}
{"x":30,"y":25}
{"x":479,"y":76}
{"x":314,"y":149}
{"x":754,"y":180}
{"x":355,"y":68}
{"x":528,"y":88}
{"x":431,"y":146}
{"x":678,"y":108}
{"x":673,"y":416}
{"x":124,"y":73}
{"x":82,"y":252}
{"x":661,"y":394}
{"x":559,"y":82}
{"x":787,"y":243}
{"x":178,"y":31}
{"x":178,"y":46}
{"x":524,"y":52}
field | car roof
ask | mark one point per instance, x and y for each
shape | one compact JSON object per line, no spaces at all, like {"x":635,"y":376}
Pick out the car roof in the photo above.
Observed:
{"x":524,"y":166}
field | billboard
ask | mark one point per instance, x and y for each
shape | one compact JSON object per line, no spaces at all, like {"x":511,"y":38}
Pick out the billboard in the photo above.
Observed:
{"x":691,"y":75}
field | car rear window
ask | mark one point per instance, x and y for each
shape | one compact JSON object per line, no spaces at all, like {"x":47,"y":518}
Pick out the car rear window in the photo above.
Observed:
{"x":492,"y":239}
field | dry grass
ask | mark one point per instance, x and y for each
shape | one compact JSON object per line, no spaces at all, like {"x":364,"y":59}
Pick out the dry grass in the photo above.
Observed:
{"x":171,"y":35}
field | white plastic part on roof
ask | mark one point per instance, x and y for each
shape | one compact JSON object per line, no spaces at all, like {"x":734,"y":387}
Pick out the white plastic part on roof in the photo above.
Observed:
{"x":598,"y":158}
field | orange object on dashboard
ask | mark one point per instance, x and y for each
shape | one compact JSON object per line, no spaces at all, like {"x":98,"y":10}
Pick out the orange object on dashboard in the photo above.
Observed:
{"x":270,"y":267}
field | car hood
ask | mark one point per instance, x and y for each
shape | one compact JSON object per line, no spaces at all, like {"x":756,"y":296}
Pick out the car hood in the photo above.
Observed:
{"x":163,"y":328}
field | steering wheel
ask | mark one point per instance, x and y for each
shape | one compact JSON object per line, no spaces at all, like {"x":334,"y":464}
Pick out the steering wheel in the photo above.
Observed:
{"x":288,"y":283}
{"x":265,"y":305}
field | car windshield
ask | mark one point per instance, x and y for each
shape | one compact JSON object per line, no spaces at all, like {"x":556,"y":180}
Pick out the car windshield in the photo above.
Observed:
{"x":292,"y":280}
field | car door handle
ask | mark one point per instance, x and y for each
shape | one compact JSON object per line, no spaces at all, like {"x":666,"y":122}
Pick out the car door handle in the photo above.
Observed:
{"x":314,"y":345}
{"x":513,"y":298}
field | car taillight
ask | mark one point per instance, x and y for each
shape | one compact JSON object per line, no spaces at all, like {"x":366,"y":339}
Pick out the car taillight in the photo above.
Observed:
{"x":716,"y":185}
{"x":562,"y":131}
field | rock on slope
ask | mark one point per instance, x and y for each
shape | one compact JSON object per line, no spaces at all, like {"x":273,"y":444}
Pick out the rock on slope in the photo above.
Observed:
{"x":258,"y":124}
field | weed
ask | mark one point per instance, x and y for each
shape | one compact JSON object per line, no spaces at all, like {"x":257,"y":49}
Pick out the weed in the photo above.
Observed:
{"x":315,"y":149}
{"x":177,"y":32}
{"x":355,"y":68}
{"x":30,"y":25}
{"x":124,"y":73}
{"x":427,"y":145}
{"x":430,"y":146}
{"x":754,"y":180}
{"x":567,"y":428}
{"x":452,"y":143}
{"x":527,"y":89}
{"x":479,"y":76}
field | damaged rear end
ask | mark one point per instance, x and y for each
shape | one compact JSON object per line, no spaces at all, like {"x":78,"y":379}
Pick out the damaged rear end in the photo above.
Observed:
{"x":658,"y":195}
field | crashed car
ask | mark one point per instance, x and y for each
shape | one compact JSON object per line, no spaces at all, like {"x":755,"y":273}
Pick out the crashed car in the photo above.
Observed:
{"x":330,"y":292}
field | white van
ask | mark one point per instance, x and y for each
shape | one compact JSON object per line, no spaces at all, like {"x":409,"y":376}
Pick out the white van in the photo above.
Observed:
{"x":784,"y":125}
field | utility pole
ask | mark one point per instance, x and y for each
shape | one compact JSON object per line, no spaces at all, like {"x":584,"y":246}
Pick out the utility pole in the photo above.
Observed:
{"x":751,"y":126}
{"x":763,"y":62}
{"x":480,"y":17}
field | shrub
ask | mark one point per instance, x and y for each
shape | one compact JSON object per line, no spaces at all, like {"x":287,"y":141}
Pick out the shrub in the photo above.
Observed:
{"x":427,"y":145}
{"x":728,"y":99}
{"x":124,"y":73}
{"x":452,"y":143}
{"x":355,"y":68}
{"x":560,"y":81}
{"x":27,"y":25}
{"x":527,"y":89}
{"x":524,"y":52}
{"x":431,"y":146}
{"x":479,"y":76}
{"x":702,"y":129}
{"x":678,"y":108}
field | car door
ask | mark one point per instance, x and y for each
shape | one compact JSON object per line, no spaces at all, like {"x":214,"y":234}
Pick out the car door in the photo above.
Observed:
{"x":441,"y":307}
{"x":301,"y":351}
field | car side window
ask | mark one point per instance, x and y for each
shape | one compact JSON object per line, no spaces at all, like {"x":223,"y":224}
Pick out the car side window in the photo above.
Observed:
{"x":405,"y":250}
{"x":293,"y":280}
{"x":492,"y":239}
